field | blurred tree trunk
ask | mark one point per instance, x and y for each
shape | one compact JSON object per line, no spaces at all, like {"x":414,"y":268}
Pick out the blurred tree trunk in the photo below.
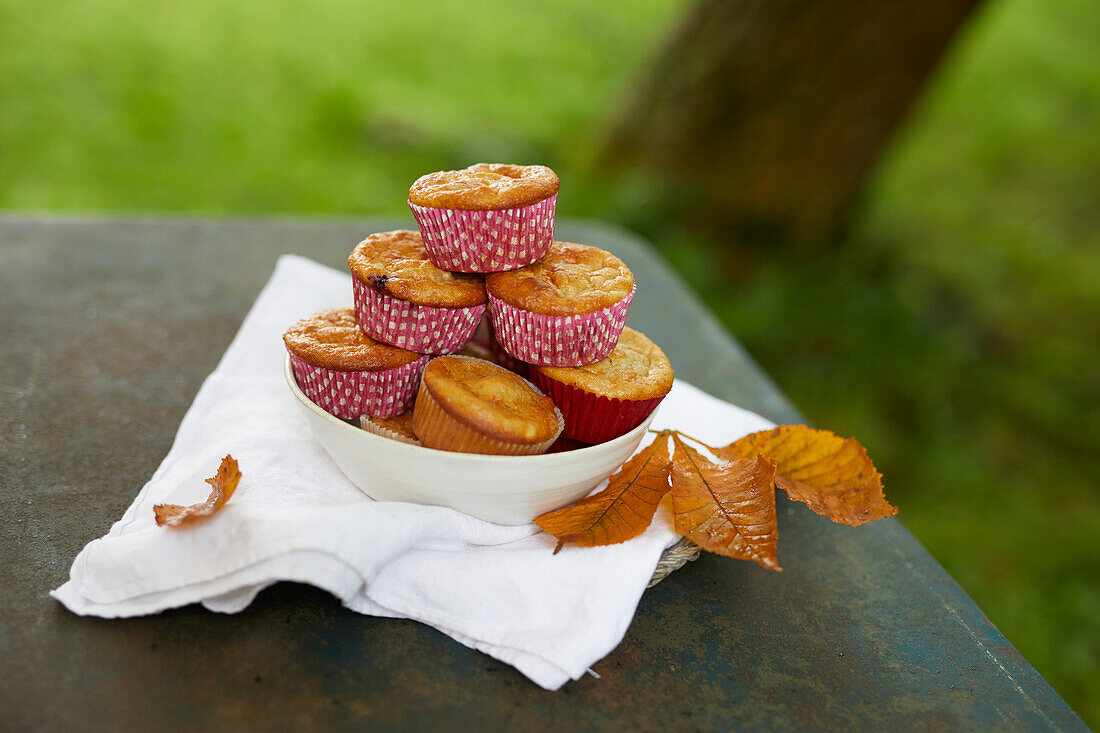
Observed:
{"x":773,"y":111}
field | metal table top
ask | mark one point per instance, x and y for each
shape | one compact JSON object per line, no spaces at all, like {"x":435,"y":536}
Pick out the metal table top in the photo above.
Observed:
{"x":108,"y":328}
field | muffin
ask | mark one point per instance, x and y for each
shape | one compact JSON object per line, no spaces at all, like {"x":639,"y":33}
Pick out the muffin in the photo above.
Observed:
{"x":486,"y":218}
{"x":402,"y":299}
{"x":398,"y":427}
{"x":567,"y":309}
{"x":473,"y":406}
{"x":346,"y":372}
{"x":610,"y":398}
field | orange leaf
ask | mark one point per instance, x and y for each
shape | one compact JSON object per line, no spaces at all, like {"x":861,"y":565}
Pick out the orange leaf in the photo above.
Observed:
{"x":729,"y":508}
{"x":831,"y":475}
{"x":621,"y":511}
{"x":223,"y":484}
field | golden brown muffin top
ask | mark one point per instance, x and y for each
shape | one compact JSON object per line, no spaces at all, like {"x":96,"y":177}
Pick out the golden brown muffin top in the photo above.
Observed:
{"x":401,"y":424}
{"x":485,"y":186}
{"x":332,"y":339}
{"x":570,"y":279}
{"x":491,"y":400}
{"x":636,"y":370}
{"x":396,"y":264}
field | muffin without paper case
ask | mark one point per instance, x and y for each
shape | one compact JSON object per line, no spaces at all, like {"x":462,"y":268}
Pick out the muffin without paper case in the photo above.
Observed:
{"x":610,"y":398}
{"x":486,"y":218}
{"x":567,"y":309}
{"x":473,"y":406}
{"x":402,"y":299}
{"x":346,"y":372}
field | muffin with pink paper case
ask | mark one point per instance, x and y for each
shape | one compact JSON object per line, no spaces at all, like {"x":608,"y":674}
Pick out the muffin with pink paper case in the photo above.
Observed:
{"x":610,"y":398}
{"x":346,"y":372}
{"x":489,"y":217}
{"x":568,"y":309}
{"x":404,"y":300}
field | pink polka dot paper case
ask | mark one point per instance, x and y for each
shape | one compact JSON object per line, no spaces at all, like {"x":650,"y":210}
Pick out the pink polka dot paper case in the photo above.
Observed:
{"x":565,"y":341}
{"x":486,"y":241}
{"x":349,"y":394}
{"x":424,"y":329}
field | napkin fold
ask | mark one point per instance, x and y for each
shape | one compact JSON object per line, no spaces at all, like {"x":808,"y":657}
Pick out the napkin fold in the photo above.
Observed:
{"x":295,"y":516}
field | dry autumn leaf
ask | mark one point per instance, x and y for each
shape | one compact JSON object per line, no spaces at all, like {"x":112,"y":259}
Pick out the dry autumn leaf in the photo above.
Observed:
{"x":621,"y":511}
{"x":728,"y":508}
{"x":223,"y":484}
{"x":831,"y":475}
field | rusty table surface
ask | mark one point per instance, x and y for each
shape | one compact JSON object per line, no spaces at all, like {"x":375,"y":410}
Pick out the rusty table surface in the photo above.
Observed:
{"x":108,"y":328}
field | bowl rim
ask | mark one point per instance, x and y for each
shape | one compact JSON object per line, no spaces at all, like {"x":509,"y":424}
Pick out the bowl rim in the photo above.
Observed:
{"x":481,"y":458}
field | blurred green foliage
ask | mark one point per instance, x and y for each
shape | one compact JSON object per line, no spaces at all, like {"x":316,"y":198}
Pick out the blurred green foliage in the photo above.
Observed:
{"x":295,"y":106}
{"x":956,"y":330}
{"x":989,"y":207}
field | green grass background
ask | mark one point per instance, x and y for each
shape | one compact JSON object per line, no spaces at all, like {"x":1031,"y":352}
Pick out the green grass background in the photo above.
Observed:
{"x":956,"y":331}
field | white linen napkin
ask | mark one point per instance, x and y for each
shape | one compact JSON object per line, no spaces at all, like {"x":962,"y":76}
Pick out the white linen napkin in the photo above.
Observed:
{"x":295,"y":516}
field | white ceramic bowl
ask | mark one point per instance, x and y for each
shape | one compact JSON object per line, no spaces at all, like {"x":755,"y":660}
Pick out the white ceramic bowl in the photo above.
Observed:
{"x":500,"y":489}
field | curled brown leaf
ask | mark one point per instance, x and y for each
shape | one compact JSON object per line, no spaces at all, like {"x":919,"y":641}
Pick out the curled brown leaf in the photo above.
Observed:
{"x":222,"y":484}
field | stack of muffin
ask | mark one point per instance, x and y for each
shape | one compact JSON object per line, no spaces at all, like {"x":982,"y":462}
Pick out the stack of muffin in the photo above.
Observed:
{"x":480,"y":333}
